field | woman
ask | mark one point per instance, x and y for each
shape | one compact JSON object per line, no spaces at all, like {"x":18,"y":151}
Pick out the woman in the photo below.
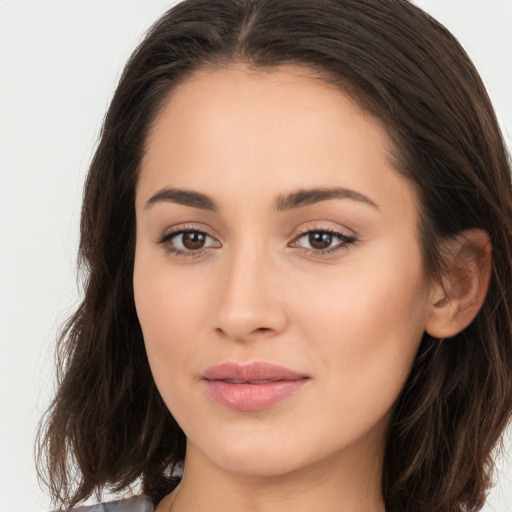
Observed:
{"x":297,"y":233}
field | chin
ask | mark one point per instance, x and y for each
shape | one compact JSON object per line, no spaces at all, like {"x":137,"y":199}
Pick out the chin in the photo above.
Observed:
{"x":255,"y":455}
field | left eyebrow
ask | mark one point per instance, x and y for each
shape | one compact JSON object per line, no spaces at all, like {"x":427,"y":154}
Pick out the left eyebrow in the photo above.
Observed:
{"x":306,"y":197}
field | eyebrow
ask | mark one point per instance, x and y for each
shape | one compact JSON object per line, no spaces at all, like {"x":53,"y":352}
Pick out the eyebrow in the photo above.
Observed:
{"x":298,"y":199}
{"x":306,"y":197}
{"x":184,"y":197}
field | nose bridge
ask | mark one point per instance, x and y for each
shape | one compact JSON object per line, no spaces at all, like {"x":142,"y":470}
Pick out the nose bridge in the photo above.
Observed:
{"x":250,"y":301}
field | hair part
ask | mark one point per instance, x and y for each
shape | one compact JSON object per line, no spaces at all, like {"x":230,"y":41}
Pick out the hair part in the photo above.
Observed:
{"x":108,"y":419}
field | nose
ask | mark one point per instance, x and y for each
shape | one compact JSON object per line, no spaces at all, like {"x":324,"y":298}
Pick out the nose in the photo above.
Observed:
{"x":251,"y":304}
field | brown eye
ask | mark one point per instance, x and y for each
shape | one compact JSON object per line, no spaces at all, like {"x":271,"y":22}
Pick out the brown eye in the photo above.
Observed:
{"x":322,"y":242}
{"x":187,"y":242}
{"x":193,"y":240}
{"x":320,"y":239}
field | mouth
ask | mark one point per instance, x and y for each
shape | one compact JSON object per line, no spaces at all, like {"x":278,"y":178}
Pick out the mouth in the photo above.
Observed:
{"x":252,"y":387}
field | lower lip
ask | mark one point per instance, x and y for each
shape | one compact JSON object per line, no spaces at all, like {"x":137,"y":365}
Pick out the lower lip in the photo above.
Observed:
{"x":252,"y":397}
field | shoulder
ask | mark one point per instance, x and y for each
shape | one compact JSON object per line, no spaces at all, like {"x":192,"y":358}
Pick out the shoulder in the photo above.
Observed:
{"x":134,"y":504}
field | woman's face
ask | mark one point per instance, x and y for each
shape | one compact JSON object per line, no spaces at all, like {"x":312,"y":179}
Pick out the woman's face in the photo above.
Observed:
{"x":278,"y":278}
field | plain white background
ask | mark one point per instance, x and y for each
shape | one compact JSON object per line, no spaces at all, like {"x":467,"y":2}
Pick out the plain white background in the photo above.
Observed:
{"x":59,"y":63}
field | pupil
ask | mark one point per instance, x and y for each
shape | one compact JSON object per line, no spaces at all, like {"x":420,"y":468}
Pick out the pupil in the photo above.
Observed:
{"x":320,"y":240}
{"x":193,"y":240}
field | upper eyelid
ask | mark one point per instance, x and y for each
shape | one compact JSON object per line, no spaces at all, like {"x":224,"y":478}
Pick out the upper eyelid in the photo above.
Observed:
{"x":318,"y":225}
{"x":186,"y":228}
{"x":340,"y":230}
{"x":191,"y":228}
{"x":328,"y":229}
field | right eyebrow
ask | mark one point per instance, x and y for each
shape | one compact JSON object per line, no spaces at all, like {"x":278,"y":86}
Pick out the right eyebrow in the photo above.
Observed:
{"x":184,"y":197}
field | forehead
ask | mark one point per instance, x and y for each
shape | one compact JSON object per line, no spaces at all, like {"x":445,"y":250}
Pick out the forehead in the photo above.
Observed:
{"x":261,"y":96}
{"x":262,"y":132}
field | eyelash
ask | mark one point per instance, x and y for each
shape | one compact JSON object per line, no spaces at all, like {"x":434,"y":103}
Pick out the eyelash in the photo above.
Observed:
{"x":345,"y":242}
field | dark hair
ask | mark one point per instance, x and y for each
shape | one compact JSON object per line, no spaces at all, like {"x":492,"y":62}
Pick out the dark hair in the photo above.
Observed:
{"x":408,"y":71}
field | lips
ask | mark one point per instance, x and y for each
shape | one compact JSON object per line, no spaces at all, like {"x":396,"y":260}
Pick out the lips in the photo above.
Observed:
{"x":251,"y":387}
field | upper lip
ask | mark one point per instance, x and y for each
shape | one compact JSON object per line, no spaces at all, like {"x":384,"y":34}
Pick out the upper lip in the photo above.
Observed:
{"x":252,"y":372}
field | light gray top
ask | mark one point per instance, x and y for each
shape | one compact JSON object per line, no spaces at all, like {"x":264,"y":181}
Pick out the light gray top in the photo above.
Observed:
{"x":139,"y":503}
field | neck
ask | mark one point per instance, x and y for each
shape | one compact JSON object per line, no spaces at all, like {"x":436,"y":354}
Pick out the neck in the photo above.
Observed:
{"x":351,"y":483}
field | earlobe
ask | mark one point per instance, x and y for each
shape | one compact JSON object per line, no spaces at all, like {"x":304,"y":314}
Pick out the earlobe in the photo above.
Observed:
{"x":456,"y":300}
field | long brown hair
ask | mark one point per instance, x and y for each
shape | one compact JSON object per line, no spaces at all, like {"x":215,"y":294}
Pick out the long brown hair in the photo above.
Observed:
{"x":108,"y":426}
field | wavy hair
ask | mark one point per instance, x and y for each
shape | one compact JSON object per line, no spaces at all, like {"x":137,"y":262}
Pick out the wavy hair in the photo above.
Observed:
{"x":108,"y":426}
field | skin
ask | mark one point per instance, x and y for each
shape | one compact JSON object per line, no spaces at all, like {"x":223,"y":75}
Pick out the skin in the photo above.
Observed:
{"x":352,"y":320}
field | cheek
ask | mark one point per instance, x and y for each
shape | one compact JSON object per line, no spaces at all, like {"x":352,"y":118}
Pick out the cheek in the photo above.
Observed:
{"x":169,"y":310}
{"x":166,"y":309}
{"x":368,"y":324}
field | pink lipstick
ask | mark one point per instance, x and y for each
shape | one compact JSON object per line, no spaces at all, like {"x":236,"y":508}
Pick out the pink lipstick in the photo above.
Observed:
{"x":251,"y":387}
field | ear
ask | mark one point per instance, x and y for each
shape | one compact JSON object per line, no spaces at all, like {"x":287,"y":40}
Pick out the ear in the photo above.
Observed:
{"x":455,"y":301}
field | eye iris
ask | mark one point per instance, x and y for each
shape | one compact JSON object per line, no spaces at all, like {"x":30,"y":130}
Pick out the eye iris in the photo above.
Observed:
{"x":320,"y":239}
{"x":192,"y":240}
